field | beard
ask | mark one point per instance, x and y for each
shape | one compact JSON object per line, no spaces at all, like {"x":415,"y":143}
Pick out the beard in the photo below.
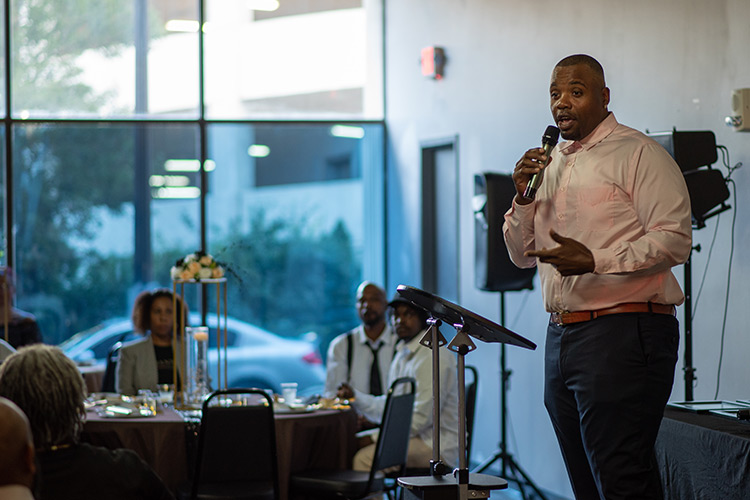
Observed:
{"x":372,"y":318}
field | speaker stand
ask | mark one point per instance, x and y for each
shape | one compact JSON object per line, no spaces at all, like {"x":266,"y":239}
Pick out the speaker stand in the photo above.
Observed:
{"x":688,"y":367}
{"x":509,"y":468}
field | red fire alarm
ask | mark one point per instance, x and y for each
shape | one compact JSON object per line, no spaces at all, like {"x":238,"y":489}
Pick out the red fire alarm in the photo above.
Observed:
{"x":433,"y":62}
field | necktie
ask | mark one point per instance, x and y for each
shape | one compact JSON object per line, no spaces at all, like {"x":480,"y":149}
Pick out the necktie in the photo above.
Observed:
{"x":376,"y":388}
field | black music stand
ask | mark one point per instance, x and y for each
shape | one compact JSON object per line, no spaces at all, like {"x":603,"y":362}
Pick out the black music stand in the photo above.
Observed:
{"x":467,"y":324}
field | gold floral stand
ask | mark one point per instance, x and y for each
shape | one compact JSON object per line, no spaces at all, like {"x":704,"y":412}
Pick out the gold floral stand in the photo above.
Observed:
{"x":6,"y":303}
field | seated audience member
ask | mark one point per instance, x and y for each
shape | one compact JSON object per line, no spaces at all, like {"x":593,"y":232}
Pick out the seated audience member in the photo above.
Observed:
{"x":5,"y":350}
{"x":48,"y":387}
{"x":22,"y":326}
{"x":362,"y":357}
{"x":17,"y":465}
{"x":148,"y":363}
{"x":414,"y":360}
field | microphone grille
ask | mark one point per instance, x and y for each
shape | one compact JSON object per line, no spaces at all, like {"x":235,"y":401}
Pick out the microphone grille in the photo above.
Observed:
{"x":551,"y":135}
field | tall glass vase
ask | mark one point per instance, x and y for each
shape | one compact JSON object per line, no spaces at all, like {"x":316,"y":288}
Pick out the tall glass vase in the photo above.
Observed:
{"x":191,"y":353}
{"x":197,"y":387}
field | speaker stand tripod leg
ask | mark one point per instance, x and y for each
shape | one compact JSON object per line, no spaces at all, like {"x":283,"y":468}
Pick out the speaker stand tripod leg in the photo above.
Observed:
{"x":486,"y":464}
{"x":507,"y":463}
{"x":526,"y":479}
{"x":512,"y":472}
{"x":512,"y":475}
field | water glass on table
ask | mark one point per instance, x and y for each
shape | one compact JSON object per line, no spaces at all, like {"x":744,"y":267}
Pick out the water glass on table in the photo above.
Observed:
{"x":289,"y":392}
{"x":166,"y":394}
{"x":147,"y":401}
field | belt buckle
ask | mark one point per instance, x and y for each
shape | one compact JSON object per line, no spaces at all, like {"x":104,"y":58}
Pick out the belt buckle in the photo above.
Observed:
{"x":557,"y":319}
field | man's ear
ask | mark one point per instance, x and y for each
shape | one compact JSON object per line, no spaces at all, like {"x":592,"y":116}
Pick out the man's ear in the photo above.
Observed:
{"x":28,"y":458}
{"x":605,"y":97}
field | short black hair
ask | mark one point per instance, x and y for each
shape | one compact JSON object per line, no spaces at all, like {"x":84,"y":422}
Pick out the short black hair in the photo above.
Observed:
{"x":398,"y":299}
{"x":584,"y":59}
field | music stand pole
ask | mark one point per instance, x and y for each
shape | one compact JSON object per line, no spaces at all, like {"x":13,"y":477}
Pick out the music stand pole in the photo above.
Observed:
{"x":433,"y":340}
{"x":466,"y":323}
{"x":510,"y":470}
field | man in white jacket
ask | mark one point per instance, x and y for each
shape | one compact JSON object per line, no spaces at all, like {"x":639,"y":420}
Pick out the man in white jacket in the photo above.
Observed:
{"x":414,"y":360}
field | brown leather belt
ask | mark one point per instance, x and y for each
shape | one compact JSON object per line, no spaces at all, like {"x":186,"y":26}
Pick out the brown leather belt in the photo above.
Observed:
{"x":566,"y":318}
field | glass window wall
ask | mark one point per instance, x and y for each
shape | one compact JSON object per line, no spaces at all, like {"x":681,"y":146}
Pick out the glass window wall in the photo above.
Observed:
{"x":299,"y":60}
{"x":133,"y":144}
{"x":296,"y":211}
{"x":102,"y":58}
{"x":98,"y":218}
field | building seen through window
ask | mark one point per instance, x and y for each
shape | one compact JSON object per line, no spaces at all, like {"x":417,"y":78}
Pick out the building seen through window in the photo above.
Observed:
{"x":111,"y":122}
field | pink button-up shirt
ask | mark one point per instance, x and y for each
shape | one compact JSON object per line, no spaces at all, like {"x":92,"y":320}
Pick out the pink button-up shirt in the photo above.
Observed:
{"x":619,"y":193}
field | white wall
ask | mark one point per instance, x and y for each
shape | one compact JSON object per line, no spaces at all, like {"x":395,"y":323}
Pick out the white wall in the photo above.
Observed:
{"x":668,"y":63}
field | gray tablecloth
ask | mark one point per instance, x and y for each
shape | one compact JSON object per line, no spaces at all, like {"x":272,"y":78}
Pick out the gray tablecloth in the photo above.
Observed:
{"x":315,"y":440}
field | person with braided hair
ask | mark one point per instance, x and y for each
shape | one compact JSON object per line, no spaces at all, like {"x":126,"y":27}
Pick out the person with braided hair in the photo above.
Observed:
{"x":48,"y":387}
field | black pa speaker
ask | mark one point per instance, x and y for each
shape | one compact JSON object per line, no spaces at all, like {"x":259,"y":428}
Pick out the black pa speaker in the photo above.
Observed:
{"x":694,"y":152}
{"x":493,"y":195}
{"x":691,"y":149}
{"x":708,"y":192}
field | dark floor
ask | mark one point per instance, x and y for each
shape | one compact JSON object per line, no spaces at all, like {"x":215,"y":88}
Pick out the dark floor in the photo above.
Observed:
{"x":511,"y":493}
{"x":514,"y":494}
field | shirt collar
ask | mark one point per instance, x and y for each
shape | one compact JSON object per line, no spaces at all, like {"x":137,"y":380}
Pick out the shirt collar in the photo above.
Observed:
{"x":606,"y":127}
{"x":364,"y":339}
{"x":413,"y":344}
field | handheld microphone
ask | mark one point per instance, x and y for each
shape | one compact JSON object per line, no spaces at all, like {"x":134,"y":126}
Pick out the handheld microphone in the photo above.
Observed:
{"x":549,"y":140}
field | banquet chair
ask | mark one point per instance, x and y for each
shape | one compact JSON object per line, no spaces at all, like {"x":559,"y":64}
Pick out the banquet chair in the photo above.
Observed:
{"x":236,"y":454}
{"x":390,"y":453}
{"x":471,"y":404}
{"x":108,"y":379}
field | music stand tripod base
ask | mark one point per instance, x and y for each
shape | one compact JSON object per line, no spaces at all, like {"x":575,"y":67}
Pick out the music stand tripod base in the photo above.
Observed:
{"x":464,"y":485}
{"x":445,"y":487}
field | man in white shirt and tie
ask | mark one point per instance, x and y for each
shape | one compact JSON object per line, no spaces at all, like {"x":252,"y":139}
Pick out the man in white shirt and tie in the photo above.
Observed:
{"x":361,"y":357}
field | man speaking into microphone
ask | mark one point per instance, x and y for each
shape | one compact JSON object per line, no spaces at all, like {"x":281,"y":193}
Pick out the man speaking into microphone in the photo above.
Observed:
{"x":605,"y":224}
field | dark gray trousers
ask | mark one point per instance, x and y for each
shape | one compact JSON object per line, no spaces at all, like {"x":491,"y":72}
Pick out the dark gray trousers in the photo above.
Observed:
{"x":607,"y":382}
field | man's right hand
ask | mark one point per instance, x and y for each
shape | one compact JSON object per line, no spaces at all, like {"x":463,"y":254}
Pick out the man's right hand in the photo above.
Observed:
{"x":531,"y":162}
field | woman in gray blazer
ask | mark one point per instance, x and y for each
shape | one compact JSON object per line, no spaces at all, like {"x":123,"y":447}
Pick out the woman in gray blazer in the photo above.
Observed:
{"x":148,"y":363}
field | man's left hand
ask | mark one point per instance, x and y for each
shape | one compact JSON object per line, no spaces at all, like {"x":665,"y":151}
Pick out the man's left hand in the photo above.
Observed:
{"x":570,"y":257}
{"x":345,"y":391}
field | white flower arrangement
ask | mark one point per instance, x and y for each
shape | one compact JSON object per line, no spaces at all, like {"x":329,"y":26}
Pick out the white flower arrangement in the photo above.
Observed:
{"x":197,"y":266}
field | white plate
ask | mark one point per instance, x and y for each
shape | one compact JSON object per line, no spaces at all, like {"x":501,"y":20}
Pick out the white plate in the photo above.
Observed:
{"x":121,"y":411}
{"x":282,"y":408}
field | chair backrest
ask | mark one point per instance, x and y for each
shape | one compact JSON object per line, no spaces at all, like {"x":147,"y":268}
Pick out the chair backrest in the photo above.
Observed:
{"x":395,"y":427}
{"x":237,"y":443}
{"x":471,"y":403}
{"x":108,"y":379}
